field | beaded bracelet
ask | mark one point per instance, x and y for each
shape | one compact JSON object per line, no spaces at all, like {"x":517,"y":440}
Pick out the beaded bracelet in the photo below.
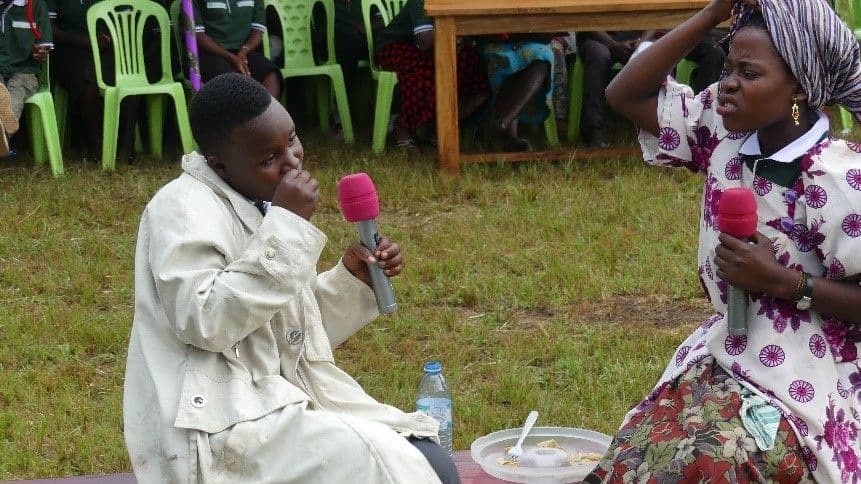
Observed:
{"x":799,"y":288}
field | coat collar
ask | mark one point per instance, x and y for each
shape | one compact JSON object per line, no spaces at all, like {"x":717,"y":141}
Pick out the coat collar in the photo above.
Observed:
{"x":194,"y":164}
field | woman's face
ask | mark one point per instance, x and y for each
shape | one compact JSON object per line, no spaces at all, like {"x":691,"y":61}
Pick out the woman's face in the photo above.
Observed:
{"x":757,"y":90}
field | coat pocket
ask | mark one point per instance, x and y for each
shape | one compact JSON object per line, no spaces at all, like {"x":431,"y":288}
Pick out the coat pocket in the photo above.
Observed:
{"x":317,"y":345}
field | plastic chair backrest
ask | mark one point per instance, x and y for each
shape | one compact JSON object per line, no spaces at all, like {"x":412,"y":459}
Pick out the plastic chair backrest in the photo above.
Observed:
{"x":295,"y":17}
{"x":387,"y":9}
{"x":125,"y":21}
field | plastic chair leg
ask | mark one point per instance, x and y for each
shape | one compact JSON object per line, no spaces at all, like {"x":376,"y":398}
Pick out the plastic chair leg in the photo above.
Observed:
{"x":61,"y":108}
{"x":343,"y":104}
{"x":37,"y":133}
{"x":51,"y":138}
{"x":550,"y":129}
{"x":575,"y":98}
{"x":110,"y":129}
{"x":382,"y":111}
{"x":155,"y":115}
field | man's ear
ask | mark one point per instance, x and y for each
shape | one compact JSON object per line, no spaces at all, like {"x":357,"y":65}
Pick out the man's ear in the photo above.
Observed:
{"x":218,"y":167}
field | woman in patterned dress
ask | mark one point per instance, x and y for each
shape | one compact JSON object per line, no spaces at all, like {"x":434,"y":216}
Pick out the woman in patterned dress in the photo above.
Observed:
{"x":780,"y":403}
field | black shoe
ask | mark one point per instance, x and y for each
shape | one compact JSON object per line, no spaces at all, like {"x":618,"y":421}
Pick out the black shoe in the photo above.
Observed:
{"x":596,"y":139}
{"x":495,"y":138}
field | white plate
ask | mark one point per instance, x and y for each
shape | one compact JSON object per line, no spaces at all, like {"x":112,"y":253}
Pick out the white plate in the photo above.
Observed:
{"x":486,"y":450}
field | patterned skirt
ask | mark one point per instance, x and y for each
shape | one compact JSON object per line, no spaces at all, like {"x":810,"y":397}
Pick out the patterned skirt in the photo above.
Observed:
{"x":693,"y":433}
{"x":505,"y":59}
{"x":415,"y":70}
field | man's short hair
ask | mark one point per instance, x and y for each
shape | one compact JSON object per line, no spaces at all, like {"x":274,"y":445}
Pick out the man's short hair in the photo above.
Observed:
{"x":222,"y":104}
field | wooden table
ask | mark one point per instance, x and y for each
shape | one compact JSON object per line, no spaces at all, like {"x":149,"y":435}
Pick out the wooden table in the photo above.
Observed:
{"x":475,"y":17}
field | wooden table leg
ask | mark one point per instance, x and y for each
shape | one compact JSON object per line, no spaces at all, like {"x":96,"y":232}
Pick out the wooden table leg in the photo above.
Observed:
{"x":448,"y":131}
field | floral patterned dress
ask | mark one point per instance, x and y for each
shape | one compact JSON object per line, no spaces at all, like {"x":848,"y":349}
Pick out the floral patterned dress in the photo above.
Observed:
{"x":804,"y":363}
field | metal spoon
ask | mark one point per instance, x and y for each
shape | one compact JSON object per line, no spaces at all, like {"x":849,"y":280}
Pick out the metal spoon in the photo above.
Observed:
{"x":515,"y":452}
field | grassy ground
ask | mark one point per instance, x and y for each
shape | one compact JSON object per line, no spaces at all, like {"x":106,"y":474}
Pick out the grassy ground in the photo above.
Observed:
{"x":561,"y":287}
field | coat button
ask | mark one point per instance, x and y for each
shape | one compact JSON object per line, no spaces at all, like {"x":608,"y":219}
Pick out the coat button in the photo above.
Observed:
{"x":294,"y":337}
{"x":198,"y":401}
{"x":270,"y":253}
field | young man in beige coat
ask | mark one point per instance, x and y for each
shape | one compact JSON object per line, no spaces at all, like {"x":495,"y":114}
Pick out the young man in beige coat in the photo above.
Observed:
{"x":230,"y":375}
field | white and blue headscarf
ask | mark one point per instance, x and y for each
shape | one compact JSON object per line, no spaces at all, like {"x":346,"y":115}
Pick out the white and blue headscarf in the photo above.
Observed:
{"x":821,"y":52}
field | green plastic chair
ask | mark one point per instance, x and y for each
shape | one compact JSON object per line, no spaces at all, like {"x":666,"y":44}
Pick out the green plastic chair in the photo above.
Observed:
{"x":124,"y":20}
{"x":386,"y":80}
{"x":295,"y":17}
{"x":44,"y":137}
{"x":684,"y":71}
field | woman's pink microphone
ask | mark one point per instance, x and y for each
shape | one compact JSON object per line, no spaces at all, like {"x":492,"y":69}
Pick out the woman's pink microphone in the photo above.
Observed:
{"x":359,"y":203}
{"x":736,"y":216}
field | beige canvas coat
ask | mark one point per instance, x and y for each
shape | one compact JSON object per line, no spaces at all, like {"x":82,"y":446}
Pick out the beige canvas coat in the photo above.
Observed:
{"x":230,"y":374}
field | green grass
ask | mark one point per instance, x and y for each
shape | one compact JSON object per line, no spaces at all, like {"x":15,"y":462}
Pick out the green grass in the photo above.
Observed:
{"x":562,"y":287}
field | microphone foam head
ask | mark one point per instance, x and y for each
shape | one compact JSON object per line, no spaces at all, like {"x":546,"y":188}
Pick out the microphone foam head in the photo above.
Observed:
{"x":736,"y":213}
{"x":357,"y":197}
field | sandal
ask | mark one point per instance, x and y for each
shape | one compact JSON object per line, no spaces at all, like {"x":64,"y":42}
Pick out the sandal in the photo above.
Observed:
{"x":407,"y":144}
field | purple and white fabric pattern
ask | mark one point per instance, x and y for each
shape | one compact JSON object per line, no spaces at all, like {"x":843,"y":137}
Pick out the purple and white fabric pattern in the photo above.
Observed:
{"x":806,"y":364}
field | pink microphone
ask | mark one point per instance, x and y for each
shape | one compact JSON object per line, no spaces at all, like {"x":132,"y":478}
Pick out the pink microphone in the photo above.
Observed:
{"x":736,"y":216}
{"x":360,"y":205}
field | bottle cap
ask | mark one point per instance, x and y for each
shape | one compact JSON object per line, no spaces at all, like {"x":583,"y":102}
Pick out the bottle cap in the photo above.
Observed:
{"x":433,"y":367}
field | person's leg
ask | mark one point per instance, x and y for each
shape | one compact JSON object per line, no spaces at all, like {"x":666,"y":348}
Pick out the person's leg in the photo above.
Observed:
{"x":710,"y":58}
{"x":596,"y":72}
{"x":473,"y":88}
{"x":213,"y":65}
{"x":439,"y":459}
{"x":21,"y":86}
{"x":295,"y":444}
{"x":415,"y":72}
{"x":266,"y":73}
{"x":518,"y":89}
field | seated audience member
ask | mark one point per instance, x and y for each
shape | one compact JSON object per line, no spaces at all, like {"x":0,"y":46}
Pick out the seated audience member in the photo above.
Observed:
{"x":229,"y":34}
{"x":778,"y":401}
{"x":73,"y":67}
{"x":230,"y":374}
{"x":521,"y":78}
{"x":24,"y":48}
{"x":405,"y":46}
{"x":600,"y":50}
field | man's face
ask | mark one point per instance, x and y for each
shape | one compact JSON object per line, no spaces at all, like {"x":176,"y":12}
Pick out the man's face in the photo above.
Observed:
{"x":259,"y":152}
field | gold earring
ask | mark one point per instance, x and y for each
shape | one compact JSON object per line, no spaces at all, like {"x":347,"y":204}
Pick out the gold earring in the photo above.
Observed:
{"x":796,"y":115}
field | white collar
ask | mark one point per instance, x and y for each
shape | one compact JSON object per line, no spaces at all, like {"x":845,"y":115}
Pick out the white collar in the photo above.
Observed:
{"x":792,"y":151}
{"x":19,"y":3}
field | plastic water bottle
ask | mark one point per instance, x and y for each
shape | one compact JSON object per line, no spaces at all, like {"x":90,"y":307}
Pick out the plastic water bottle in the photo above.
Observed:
{"x":434,"y":399}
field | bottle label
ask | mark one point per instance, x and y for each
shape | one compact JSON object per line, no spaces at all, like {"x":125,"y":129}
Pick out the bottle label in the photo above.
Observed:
{"x":438,"y":408}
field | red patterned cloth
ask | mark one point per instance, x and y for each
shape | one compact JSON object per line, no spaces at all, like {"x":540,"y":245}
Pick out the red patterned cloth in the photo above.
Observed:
{"x":693,"y":433}
{"x":415,"y":70}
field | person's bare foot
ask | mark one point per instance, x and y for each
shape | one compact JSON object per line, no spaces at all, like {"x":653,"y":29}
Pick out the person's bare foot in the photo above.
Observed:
{"x":7,"y":117}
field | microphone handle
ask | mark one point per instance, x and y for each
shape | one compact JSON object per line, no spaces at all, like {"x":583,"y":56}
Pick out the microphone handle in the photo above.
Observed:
{"x":379,"y":281}
{"x":736,"y":311}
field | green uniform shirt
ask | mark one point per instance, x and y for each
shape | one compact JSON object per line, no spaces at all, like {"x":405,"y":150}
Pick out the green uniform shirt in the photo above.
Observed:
{"x":70,"y":15}
{"x":411,"y":20}
{"x":18,"y":38}
{"x":229,"y":22}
